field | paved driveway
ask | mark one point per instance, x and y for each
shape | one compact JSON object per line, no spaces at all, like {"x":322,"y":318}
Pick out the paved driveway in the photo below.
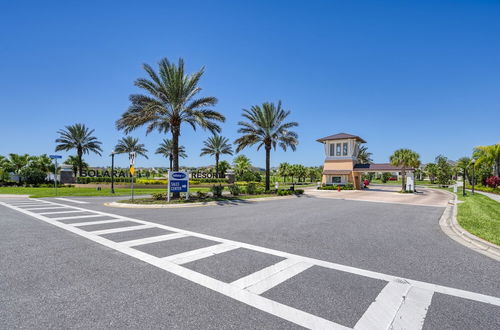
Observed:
{"x":311,"y":262}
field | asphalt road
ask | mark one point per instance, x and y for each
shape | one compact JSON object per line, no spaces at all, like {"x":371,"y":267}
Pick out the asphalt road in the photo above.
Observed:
{"x":53,"y":278}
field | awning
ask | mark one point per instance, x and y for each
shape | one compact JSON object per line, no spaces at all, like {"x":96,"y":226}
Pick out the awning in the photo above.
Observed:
{"x":336,"y":172}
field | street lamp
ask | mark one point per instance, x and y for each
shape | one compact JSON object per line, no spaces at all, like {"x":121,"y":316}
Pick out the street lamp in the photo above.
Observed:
{"x":473,"y":178}
{"x":113,"y":171}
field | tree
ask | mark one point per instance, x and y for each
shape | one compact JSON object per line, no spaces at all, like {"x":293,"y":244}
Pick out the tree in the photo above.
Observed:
{"x":462,"y":166}
{"x":166,"y":149}
{"x":300,"y":172}
{"x":75,"y":164}
{"x":223,"y":167}
{"x":215,"y":146}
{"x":364,"y":157}
{"x":431,"y":171}
{"x":489,"y":155}
{"x":16,"y":163}
{"x":405,"y":158}
{"x":171,"y":101}
{"x":284,"y":170}
{"x":443,"y":170}
{"x":266,"y":127}
{"x":241,"y":165}
{"x":78,"y":137}
{"x":129,"y":144}
{"x":42,"y":162}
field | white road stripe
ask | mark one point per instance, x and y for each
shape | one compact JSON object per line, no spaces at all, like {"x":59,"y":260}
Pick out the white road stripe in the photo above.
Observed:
{"x":185,"y":257}
{"x":46,"y":208}
{"x":278,"y":278}
{"x":382,"y":311}
{"x":154,"y":239}
{"x":71,"y":200}
{"x":78,"y":217}
{"x":89,"y":223}
{"x":27,"y":203}
{"x":61,"y":212}
{"x":411,"y":315}
{"x":262,"y":274}
{"x":119,"y":230}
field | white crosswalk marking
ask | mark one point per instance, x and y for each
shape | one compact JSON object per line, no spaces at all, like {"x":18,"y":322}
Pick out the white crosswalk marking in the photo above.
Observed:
{"x":183,"y":258}
{"x":89,"y":223}
{"x":411,"y":315}
{"x":77,"y":217}
{"x":45,"y":208}
{"x":61,"y":212}
{"x":120,"y":229}
{"x":71,"y":200}
{"x":154,"y":239}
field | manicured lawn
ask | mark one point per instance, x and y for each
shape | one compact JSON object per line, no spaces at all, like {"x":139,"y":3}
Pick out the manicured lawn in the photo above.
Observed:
{"x":194,"y":199}
{"x":65,"y":191}
{"x":480,"y":215}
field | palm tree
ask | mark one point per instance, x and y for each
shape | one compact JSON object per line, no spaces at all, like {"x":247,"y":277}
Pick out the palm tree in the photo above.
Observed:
{"x":284,"y":170}
{"x":489,"y":155}
{"x":462,"y":166}
{"x":405,"y":158}
{"x":75,"y":164}
{"x":266,"y":127}
{"x":167,"y":150}
{"x":170,"y":102}
{"x":16,"y":163}
{"x":431,"y":171}
{"x":78,"y":137}
{"x":129,"y":144}
{"x":241,"y":165}
{"x":215,"y":146}
{"x":364,"y":157}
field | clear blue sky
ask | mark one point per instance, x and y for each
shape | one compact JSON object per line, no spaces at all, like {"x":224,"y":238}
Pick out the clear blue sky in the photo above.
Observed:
{"x":423,"y":75}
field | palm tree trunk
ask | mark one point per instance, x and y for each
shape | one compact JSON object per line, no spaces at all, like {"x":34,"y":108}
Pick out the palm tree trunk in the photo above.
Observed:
{"x":403,"y":180}
{"x":170,"y":158}
{"x":217,"y":165}
{"x":175,"y":145}
{"x":80,"y":162}
{"x":268,"y":162}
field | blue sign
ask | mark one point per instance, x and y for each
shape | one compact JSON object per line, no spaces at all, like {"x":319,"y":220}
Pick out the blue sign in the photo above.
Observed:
{"x":55,"y":157}
{"x":178,"y":185}
{"x":179,"y":175}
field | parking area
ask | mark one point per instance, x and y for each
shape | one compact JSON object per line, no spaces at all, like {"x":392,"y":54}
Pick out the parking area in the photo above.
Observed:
{"x":307,"y":262}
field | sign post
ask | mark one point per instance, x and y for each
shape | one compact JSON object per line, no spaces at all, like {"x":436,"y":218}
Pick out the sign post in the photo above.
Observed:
{"x":131,"y":157}
{"x":178,"y":182}
{"x":55,"y":158}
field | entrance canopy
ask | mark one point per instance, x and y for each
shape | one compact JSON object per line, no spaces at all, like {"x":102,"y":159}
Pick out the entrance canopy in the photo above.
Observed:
{"x":379,"y":168}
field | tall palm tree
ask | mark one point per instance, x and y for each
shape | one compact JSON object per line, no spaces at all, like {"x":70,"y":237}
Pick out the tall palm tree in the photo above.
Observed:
{"x":78,"y":137}
{"x":75,"y":164}
{"x":364,"y":157}
{"x":266,"y":127}
{"x":489,"y":155}
{"x":215,"y":146}
{"x":462,"y":166}
{"x":405,"y":158}
{"x":166,"y":149}
{"x":129,"y":144}
{"x":171,"y":101}
{"x":16,"y":163}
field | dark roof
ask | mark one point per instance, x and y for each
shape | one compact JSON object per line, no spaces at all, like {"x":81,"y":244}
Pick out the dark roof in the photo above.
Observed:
{"x":377,"y":167}
{"x":336,"y":172}
{"x":341,"y":136}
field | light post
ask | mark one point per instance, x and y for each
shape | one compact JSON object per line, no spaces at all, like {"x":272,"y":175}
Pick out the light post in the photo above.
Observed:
{"x":113,"y":171}
{"x":473,"y":178}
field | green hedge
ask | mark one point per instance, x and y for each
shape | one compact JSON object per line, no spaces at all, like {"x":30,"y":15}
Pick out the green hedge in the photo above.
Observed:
{"x":347,"y":186}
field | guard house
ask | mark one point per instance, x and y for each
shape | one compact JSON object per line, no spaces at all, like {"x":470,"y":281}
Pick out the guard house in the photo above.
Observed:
{"x":341,"y":165}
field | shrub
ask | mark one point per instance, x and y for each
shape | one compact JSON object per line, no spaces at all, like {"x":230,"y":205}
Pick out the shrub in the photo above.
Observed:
{"x":493,"y":181}
{"x":299,"y":191}
{"x":33,"y":175}
{"x":347,"y":186}
{"x":234,"y":189}
{"x":217,"y":190}
{"x":159,"y":196}
{"x":385,"y":177}
{"x":251,"y":188}
{"x":201,"y":194}
{"x":284,"y":192}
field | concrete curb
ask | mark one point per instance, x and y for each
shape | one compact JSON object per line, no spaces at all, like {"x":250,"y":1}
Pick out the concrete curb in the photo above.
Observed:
{"x":452,"y":228}
{"x":212,"y":203}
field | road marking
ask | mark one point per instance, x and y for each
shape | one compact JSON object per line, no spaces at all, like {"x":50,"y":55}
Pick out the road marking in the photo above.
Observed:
{"x":28,"y":204}
{"x":382,"y":311}
{"x":278,"y":278}
{"x":77,"y":217}
{"x":411,"y":315}
{"x":185,"y":257}
{"x":71,"y":200}
{"x":46,"y":208}
{"x":262,"y":274}
{"x":61,"y":212}
{"x":89,"y":223}
{"x":119,"y":230}
{"x":154,"y":239}
{"x":386,"y":301}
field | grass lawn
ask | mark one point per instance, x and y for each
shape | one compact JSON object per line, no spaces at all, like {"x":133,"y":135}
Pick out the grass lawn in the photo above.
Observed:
{"x":194,"y":199}
{"x":480,"y":215}
{"x":65,"y":191}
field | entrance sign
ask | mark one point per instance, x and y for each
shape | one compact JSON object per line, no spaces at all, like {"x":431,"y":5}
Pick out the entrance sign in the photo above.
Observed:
{"x":178,"y":182}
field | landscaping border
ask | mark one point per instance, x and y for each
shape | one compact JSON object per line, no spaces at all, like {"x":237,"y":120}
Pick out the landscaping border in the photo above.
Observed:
{"x":452,"y":228}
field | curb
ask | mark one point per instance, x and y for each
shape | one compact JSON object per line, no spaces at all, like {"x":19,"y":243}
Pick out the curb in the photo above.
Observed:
{"x":212,"y":203}
{"x":452,"y":228}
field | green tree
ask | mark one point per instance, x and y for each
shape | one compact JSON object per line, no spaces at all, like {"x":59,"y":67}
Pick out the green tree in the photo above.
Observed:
{"x":463,"y":164}
{"x":16,"y":163}
{"x":266,"y":127}
{"x":80,"y":138}
{"x":171,"y":101}
{"x":42,"y":162}
{"x":284,"y":170}
{"x":364,"y":157}
{"x":75,"y":164}
{"x":431,"y":171}
{"x":129,"y":144}
{"x":166,"y":149}
{"x":488,"y":155}
{"x":216,"y":145}
{"x":444,"y":170}
{"x":405,"y":158}
{"x":241,"y":164}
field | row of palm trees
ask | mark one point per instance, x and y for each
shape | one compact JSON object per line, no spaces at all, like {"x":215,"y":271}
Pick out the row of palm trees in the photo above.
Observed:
{"x":170,"y":99}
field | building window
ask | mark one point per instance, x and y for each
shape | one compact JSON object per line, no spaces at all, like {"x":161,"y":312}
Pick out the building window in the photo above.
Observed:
{"x":332,"y":149}
{"x":338,"y":148}
{"x":344,"y":149}
{"x":336,"y":179}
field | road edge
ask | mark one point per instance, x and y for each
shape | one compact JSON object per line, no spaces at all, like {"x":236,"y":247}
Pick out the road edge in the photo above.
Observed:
{"x":450,"y":226}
